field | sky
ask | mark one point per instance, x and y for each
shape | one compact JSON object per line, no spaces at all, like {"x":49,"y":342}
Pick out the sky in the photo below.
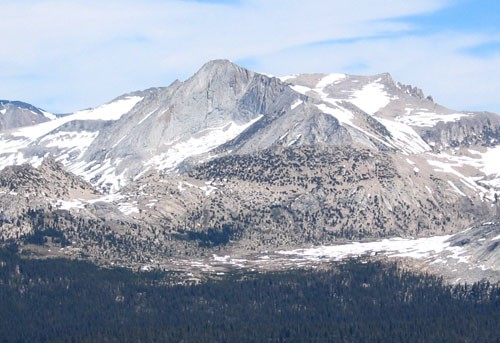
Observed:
{"x":67,"y":55}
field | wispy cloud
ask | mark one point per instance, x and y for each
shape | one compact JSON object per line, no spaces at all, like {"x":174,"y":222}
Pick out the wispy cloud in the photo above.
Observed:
{"x":83,"y":53}
{"x":488,"y":49}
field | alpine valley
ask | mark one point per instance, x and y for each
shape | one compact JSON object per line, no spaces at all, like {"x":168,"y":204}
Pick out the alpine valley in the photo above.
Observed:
{"x":233,"y":169}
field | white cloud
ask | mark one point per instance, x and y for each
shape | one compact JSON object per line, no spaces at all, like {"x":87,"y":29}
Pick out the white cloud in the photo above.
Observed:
{"x":66,"y":55}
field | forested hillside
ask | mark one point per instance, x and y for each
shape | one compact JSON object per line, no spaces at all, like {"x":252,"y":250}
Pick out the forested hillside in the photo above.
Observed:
{"x":68,"y":301}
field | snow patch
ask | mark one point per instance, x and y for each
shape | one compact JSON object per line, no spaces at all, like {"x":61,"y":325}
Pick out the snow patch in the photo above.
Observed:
{"x":490,"y":160}
{"x":428,"y":119}
{"x":109,"y":198}
{"x":296,"y":104}
{"x":235,"y":262}
{"x":104,"y":174}
{"x":199,"y":143}
{"x":295,"y":140}
{"x":48,"y":115}
{"x":437,"y":248}
{"x":208,"y":189}
{"x":456,"y":188}
{"x":404,"y":137}
{"x":287,"y":77}
{"x":394,"y":247}
{"x":119,"y":141}
{"x":128,"y":208}
{"x":329,"y":80}
{"x":301,"y":89}
{"x":70,"y":139}
{"x":146,"y":117}
{"x":343,"y":116}
{"x":458,"y":161}
{"x":111,"y":111}
{"x":17,"y":159}
{"x":371,"y":98}
{"x":67,"y":205}
{"x":283,"y":136}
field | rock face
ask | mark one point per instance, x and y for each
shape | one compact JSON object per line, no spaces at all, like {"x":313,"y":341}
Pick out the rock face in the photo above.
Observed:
{"x":473,"y":254}
{"x":482,"y":130}
{"x":14,"y":114}
{"x":232,"y":160}
{"x":482,"y":241}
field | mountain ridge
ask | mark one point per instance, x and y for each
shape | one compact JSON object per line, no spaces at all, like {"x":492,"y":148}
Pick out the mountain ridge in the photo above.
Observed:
{"x":235,"y":161}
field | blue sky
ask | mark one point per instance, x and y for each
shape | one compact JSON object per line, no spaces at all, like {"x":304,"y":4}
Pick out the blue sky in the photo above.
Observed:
{"x":65,"y":55}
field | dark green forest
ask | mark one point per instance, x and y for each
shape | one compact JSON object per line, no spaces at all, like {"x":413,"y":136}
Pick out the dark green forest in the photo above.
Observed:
{"x":356,"y":301}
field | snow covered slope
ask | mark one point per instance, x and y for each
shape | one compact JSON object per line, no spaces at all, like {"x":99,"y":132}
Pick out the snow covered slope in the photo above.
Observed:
{"x":65,"y":137}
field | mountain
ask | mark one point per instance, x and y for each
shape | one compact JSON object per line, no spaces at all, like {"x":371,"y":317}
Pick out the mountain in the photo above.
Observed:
{"x":231,"y":161}
{"x":161,"y":128}
{"x":14,"y":114}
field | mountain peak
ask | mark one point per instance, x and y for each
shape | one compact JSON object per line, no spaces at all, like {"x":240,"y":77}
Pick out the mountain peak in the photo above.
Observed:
{"x":220,"y":68}
{"x":14,"y":114}
{"x":21,"y":105}
{"x":386,"y":77}
{"x":218,"y":63}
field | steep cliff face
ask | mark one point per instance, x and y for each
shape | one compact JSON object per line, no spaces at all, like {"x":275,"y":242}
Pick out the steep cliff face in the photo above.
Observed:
{"x":481,"y":129}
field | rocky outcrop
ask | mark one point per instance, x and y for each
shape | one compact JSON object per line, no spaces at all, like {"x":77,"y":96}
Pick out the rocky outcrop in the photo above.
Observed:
{"x":481,"y":129}
{"x":411,"y":90}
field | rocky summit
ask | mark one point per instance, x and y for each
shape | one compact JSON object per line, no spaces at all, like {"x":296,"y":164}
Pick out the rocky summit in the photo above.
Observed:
{"x":232,"y":169}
